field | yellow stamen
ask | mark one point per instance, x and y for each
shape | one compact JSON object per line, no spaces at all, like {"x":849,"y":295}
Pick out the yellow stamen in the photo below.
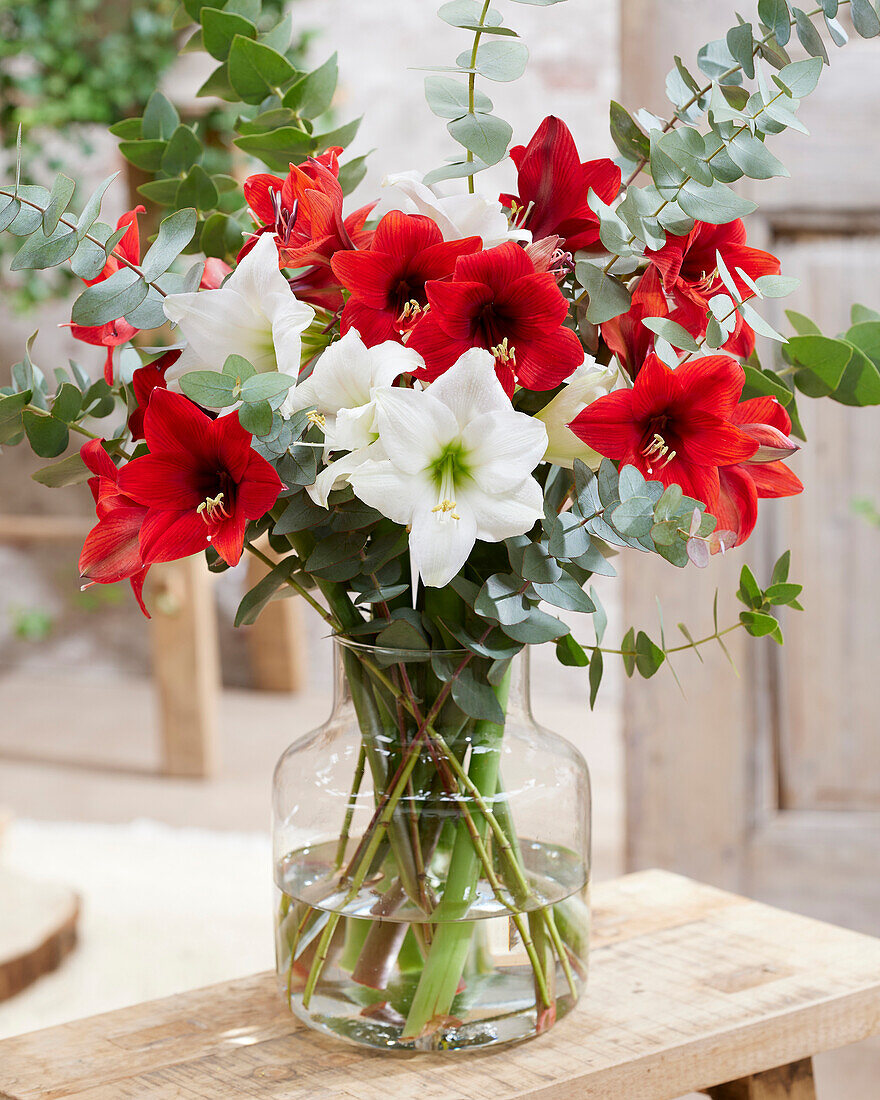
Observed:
{"x":315,"y":417}
{"x":410,"y":310}
{"x":212,"y":509}
{"x":504,"y":352}
{"x":447,"y":506}
{"x":658,"y":449}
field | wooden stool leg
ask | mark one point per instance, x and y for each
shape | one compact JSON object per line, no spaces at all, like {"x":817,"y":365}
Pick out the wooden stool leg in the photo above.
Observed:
{"x":792,"y":1082}
{"x":186,"y":665}
{"x":277,"y":639}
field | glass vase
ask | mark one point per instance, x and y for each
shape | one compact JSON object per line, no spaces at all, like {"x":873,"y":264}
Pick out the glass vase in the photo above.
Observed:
{"x":432,"y":867}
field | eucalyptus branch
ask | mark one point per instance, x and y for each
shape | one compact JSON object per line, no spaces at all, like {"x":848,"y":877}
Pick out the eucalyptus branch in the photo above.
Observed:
{"x":472,"y":81}
{"x":63,"y":220}
{"x":704,"y":91}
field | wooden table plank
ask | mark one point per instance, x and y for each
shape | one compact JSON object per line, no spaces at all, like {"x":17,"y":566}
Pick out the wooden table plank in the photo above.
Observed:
{"x":690,"y":987}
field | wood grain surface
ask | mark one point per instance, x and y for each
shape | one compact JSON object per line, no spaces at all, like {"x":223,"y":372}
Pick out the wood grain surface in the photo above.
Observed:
{"x":37,"y":929}
{"x":690,"y":987}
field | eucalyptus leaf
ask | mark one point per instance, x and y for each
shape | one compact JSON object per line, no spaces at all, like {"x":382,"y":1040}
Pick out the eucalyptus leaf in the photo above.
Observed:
{"x":175,"y":233}
{"x":486,"y":136}
{"x":109,"y":300}
{"x":499,"y":60}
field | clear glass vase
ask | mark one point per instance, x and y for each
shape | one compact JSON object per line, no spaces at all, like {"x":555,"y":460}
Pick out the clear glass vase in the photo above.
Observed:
{"x":432,"y":868}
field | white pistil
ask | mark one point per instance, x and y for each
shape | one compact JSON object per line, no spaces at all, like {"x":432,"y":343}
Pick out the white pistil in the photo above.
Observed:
{"x":445,"y":506}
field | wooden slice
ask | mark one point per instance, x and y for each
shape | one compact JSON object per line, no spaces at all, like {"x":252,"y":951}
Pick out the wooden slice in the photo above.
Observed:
{"x":37,"y":930}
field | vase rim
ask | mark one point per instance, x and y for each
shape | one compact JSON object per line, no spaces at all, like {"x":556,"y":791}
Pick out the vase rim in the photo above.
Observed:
{"x":412,"y":654}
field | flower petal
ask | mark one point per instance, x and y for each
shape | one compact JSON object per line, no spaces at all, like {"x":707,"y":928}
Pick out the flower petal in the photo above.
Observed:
{"x":511,"y":513}
{"x":414,"y":427}
{"x":169,"y":536}
{"x":470,"y":387}
{"x":502,"y":448}
{"x":737,"y":506}
{"x":545,"y":361}
{"x":711,"y":383}
{"x":111,"y":551}
{"x":608,"y":426}
{"x":439,"y":543}
{"x":384,"y":487}
{"x":657,"y":389}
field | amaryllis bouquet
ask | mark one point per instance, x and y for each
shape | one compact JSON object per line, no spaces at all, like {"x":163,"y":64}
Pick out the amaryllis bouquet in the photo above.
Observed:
{"x":442,"y":412}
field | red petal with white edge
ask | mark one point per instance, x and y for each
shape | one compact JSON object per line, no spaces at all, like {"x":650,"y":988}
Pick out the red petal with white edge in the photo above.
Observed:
{"x":534,"y":305}
{"x":710,"y":441}
{"x":406,"y":235}
{"x":368,"y":275}
{"x":456,"y":306}
{"x":774,"y":479}
{"x":375,"y":326}
{"x":111,"y":551}
{"x":435,"y":346}
{"x":737,"y":507}
{"x":97,"y":460}
{"x":762,"y":410}
{"x":713,"y":384}
{"x":233,"y":445}
{"x":259,"y":488}
{"x":656,"y":390}
{"x":607,"y":425}
{"x":544,"y":362}
{"x":257,"y":195}
{"x":173,"y":425}
{"x":228,"y":539}
{"x":773,"y":445}
{"x":169,"y":536}
{"x":496,"y":267}
{"x":166,"y":482}
{"x":549,"y":176}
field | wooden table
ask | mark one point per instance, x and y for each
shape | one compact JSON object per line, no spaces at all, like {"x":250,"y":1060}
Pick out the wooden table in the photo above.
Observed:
{"x":692,"y":989}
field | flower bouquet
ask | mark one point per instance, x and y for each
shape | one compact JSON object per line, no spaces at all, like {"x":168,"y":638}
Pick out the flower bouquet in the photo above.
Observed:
{"x":440,"y":413}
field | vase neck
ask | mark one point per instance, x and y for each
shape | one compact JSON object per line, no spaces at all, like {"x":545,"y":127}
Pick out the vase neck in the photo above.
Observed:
{"x":519,"y":693}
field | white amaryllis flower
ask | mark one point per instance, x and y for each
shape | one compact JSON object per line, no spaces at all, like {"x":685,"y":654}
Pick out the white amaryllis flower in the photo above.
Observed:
{"x":340,"y":390}
{"x":254,"y":314}
{"x":456,"y":466}
{"x":457,"y":216}
{"x":588,"y":382}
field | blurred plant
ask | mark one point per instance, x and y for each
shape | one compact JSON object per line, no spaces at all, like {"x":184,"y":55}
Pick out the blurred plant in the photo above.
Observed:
{"x":31,"y":624}
{"x":66,"y":65}
{"x":867,"y":509}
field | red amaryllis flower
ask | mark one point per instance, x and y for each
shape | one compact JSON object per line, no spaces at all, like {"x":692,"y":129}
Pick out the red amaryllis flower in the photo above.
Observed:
{"x":387,"y":281}
{"x":496,"y":300}
{"x":689,"y":269}
{"x":144,"y":380}
{"x":117,"y":332}
{"x":304,"y":211}
{"x":112,"y":548}
{"x":767,"y":423}
{"x":201,"y":481}
{"x":673,"y":425}
{"x":626,"y":335}
{"x":553,"y":187}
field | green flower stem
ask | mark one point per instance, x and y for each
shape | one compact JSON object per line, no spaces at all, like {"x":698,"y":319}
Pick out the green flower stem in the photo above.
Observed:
{"x":445,"y":963}
{"x":364,"y":861}
{"x":349,"y":809}
{"x":472,"y":81}
{"x":504,"y":834}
